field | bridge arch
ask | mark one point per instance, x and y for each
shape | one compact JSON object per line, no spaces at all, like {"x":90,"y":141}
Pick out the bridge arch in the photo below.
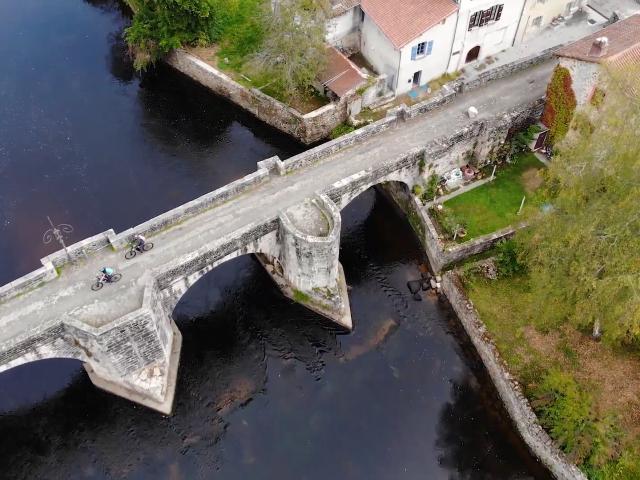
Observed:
{"x":343,"y":199}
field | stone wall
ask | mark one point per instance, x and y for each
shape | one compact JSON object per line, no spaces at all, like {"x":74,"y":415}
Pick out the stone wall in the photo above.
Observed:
{"x":308,"y":128}
{"x":28,"y":282}
{"x":509,"y":69}
{"x":509,"y":390}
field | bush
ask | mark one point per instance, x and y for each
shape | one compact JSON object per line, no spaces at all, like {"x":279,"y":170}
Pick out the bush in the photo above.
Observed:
{"x":432,"y":187}
{"x":568,"y":414}
{"x":341,"y":130}
{"x":164,"y":25}
{"x":417,"y":190}
{"x":507,"y":259}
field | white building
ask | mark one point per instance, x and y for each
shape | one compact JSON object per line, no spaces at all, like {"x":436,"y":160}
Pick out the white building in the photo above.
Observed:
{"x":539,"y":14}
{"x":408,"y":40}
{"x":484,"y":28}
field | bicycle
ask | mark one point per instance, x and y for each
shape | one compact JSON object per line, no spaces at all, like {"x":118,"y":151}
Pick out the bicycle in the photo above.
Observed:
{"x":102,"y":279}
{"x":135,"y":249}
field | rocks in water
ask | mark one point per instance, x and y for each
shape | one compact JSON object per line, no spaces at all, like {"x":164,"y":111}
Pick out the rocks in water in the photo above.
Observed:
{"x":425,"y":285}
{"x":433,"y":283}
{"x":414,"y":286}
{"x":417,"y":297}
{"x":472,"y":112}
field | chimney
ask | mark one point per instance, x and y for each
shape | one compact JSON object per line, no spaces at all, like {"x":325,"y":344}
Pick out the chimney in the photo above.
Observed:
{"x":599,"y":47}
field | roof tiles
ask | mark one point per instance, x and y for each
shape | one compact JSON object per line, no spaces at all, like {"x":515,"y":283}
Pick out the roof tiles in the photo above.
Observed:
{"x":404,"y":20}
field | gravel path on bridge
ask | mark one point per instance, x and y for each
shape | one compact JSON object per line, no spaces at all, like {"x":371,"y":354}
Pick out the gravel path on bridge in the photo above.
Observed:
{"x":69,"y":296}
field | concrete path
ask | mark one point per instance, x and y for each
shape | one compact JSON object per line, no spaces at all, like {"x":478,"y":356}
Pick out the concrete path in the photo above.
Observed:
{"x":70,"y":296}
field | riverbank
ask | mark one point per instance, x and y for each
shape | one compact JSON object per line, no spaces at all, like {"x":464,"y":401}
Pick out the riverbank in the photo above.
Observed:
{"x":585,"y":392}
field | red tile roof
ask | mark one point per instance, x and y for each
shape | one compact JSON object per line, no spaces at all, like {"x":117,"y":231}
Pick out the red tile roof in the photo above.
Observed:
{"x":404,"y":20}
{"x":341,"y":75}
{"x":623,"y":48}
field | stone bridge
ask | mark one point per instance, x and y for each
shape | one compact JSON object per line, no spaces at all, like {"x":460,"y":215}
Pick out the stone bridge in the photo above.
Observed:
{"x":287,"y":213}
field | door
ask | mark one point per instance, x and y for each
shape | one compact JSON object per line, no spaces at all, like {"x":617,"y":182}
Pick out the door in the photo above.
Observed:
{"x":542,"y":139}
{"x":473,"y":54}
{"x":416,"y":78}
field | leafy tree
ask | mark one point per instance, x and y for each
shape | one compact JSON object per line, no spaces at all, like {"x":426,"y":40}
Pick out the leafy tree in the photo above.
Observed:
{"x":293,"y":52}
{"x":583,"y":254}
{"x":160,"y":26}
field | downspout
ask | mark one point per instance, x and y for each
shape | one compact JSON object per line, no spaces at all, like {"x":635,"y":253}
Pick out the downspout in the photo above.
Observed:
{"x":398,"y":70}
{"x":515,"y":37}
{"x":453,"y":44}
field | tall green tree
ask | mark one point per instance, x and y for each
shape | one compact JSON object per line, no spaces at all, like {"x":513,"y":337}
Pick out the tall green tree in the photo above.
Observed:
{"x":293,"y":52}
{"x":160,"y":26}
{"x":584,"y":253}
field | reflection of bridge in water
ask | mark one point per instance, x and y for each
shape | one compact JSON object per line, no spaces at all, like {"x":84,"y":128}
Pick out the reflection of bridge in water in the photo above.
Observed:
{"x":287,"y":213}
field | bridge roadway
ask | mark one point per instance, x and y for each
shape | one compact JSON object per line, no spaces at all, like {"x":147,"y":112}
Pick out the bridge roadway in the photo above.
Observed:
{"x":70,"y":296}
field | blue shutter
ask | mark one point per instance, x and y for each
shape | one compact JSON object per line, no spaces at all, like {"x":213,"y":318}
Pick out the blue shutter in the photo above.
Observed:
{"x":414,"y":51}
{"x":429,"y":47}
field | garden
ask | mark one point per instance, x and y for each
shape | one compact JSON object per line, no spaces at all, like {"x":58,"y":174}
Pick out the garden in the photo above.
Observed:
{"x":493,"y":205}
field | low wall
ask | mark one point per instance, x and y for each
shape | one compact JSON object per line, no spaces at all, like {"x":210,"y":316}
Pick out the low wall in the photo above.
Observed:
{"x":329,"y":148}
{"x":308,"y":128}
{"x":183,"y":212}
{"x":509,"y":390}
{"x":509,"y":69}
{"x":28,"y":282}
{"x":81,"y":249}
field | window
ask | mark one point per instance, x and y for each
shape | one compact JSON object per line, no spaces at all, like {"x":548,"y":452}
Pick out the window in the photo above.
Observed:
{"x":423,"y":49}
{"x":484,"y":17}
{"x":537,"y":22}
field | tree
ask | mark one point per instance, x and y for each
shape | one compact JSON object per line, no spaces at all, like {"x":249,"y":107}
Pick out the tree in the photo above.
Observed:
{"x":293,"y":52}
{"x":584,"y":253}
{"x":160,"y":26}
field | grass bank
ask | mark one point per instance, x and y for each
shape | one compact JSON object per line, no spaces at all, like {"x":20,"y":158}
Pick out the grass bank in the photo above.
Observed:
{"x":586,"y":394}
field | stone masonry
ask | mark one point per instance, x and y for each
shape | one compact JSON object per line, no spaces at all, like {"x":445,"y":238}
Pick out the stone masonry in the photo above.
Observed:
{"x":287,"y":213}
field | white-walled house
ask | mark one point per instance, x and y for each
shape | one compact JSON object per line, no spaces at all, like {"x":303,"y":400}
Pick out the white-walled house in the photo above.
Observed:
{"x":484,"y":28}
{"x":538,"y":14}
{"x":408,"y":40}
{"x":343,"y":28}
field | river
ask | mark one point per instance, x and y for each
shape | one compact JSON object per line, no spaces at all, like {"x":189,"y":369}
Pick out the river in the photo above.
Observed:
{"x":267,"y":389}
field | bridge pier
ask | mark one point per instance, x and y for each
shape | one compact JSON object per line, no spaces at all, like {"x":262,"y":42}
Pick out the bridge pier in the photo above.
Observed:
{"x":307,"y":269}
{"x":138,"y":357}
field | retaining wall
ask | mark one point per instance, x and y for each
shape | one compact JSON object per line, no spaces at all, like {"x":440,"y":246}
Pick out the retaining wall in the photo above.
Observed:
{"x":308,"y":128}
{"x":507,"y":386}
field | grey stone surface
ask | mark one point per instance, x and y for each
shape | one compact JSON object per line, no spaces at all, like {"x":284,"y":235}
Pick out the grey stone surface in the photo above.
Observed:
{"x":125,"y":327}
{"x":507,"y":386}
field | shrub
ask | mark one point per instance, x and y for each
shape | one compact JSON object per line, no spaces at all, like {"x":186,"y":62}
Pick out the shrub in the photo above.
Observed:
{"x":507,"y":259}
{"x":560,"y":105}
{"x":432,"y":187}
{"x":597,"y":98}
{"x":566,"y":410}
{"x":341,"y":130}
{"x":417,"y":190}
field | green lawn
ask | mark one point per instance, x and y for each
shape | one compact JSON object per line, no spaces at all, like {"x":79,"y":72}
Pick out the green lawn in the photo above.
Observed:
{"x":495,"y":205}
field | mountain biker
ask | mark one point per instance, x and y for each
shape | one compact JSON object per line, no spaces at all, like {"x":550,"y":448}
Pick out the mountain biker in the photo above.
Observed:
{"x":139,"y":242}
{"x":108,"y":273}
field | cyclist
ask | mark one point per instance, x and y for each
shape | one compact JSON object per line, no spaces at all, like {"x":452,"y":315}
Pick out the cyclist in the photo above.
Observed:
{"x":139,"y":242}
{"x":108,"y":273}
